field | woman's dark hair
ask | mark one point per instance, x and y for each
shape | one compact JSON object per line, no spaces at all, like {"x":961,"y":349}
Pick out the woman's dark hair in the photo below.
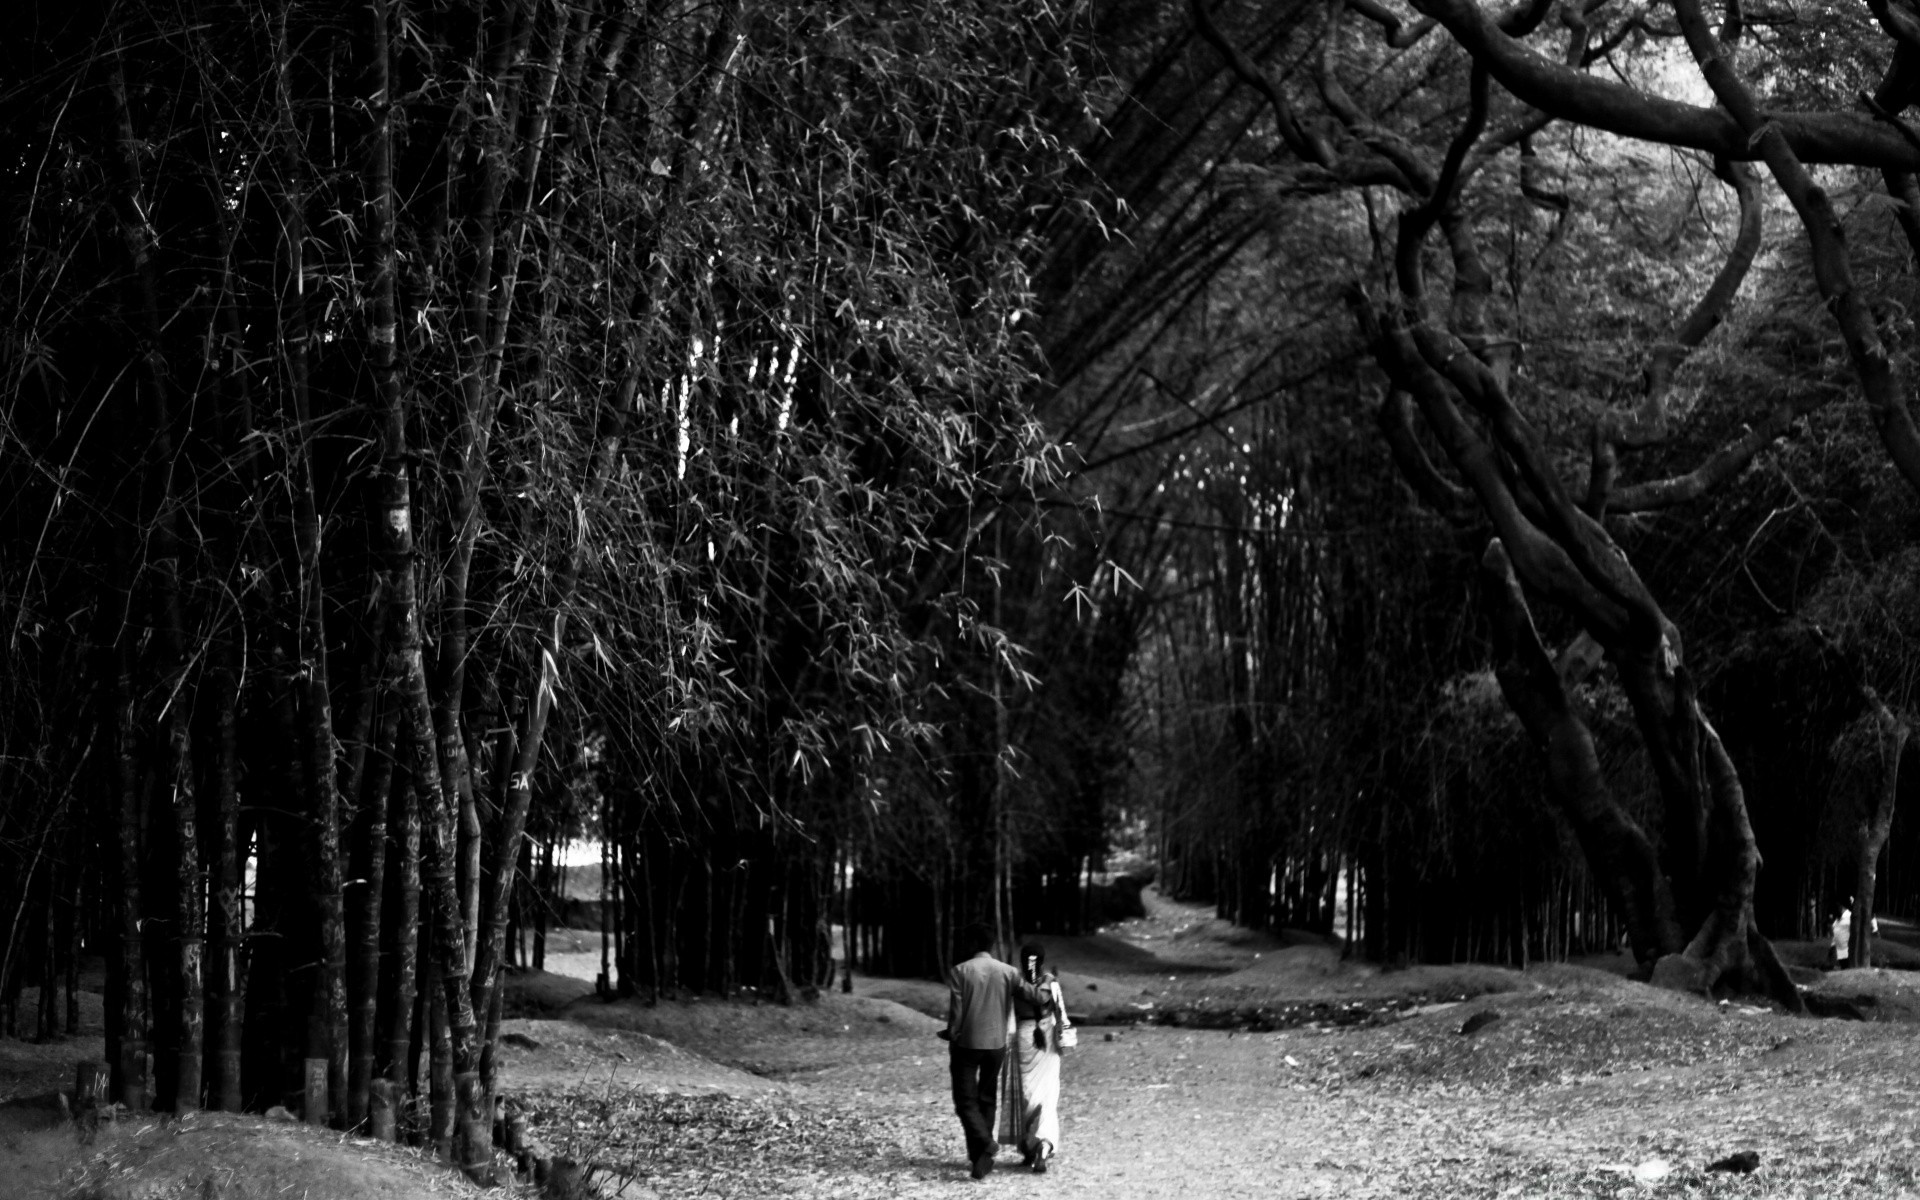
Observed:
{"x":1035,"y":953}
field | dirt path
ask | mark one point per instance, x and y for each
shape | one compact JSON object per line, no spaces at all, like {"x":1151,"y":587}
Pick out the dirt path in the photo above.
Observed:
{"x":1172,"y":1113}
{"x":1585,"y":1085}
{"x":1339,"y":1079}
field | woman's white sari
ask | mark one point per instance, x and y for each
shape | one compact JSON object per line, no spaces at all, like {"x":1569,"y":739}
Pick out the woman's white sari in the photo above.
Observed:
{"x":1030,"y":1083}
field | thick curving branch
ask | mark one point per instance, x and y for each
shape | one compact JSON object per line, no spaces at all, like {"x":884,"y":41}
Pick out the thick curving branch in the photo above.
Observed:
{"x":1899,"y":24}
{"x":1542,"y":560}
{"x":1401,"y":33}
{"x":1905,"y":187}
{"x":1712,"y":306}
{"x":1573,"y":95}
{"x":1360,"y":125}
{"x":1650,"y":421}
{"x":1442,"y":201}
{"x":1896,"y":90}
{"x":1532,"y":509}
{"x":1371,"y":170}
{"x":1832,"y":268}
{"x":1722,"y":465}
{"x":1473,"y":295}
{"x":1305,"y":144}
{"x":1584,"y":541}
{"x":1394,"y":415}
{"x":1721,"y":944}
{"x":1622,"y":855}
{"x":1534,"y":188}
{"x":1447,"y":184}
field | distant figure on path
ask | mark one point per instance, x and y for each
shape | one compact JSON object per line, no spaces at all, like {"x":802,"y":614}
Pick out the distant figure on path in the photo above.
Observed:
{"x":1843,"y":934}
{"x":981,"y":991}
{"x":1031,"y":1117}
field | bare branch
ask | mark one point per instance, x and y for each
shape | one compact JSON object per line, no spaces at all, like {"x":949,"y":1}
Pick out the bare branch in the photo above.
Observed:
{"x":1365,"y":171}
{"x":1899,"y":24}
{"x":1384,"y":142}
{"x":1832,"y":270}
{"x":1719,"y":467}
{"x":1651,"y":421}
{"x":1395,"y":418}
{"x":1400,"y":33}
{"x":1903,"y":186}
{"x":1534,"y":189}
{"x":1298,"y":138}
{"x":1447,"y":186}
{"x":1881,"y":112}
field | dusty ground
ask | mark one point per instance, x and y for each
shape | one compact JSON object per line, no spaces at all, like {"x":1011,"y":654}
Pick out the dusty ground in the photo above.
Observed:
{"x":211,"y":1156}
{"x":1334,"y":1079}
{"x":1362,"y":1084}
{"x":207,"y":1156}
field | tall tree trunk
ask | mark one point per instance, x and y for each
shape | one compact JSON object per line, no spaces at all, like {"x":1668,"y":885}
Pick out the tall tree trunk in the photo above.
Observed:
{"x":316,"y":714}
{"x":157,"y":475}
{"x":1870,"y":837}
{"x":513,"y":822}
{"x":544,"y":896}
{"x":1565,"y":554}
{"x":405,"y":924}
{"x":224,"y":992}
{"x":604,"y":984}
{"x":441,"y":1118}
{"x":1622,"y":855}
{"x":326,"y":882}
{"x":225,"y":857}
{"x":75,"y":930}
{"x":439,"y":844}
{"x":130,"y":1025}
{"x":397,"y":587}
{"x":191,"y":898}
{"x":46,"y":1027}
{"x":438,"y":841}
{"x":189,"y":885}
{"x":375,"y":783}
{"x":468,"y":473}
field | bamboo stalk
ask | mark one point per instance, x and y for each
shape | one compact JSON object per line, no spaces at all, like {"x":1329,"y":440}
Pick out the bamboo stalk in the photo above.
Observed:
{"x":365,"y":1006}
{"x":401,"y":1063}
{"x":326,"y":885}
{"x":223,"y":983}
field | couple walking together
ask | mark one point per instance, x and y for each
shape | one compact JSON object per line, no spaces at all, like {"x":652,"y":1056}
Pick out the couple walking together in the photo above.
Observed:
{"x":991,"y":1008}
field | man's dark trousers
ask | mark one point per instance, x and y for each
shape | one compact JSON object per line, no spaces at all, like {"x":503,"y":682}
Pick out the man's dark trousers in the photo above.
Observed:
{"x":976,"y":1088}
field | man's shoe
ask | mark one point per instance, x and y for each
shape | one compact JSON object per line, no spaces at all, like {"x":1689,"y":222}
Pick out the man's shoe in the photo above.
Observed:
{"x":983,"y":1166}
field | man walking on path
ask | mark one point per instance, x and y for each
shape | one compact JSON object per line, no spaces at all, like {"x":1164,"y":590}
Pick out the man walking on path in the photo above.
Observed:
{"x":979,"y":1011}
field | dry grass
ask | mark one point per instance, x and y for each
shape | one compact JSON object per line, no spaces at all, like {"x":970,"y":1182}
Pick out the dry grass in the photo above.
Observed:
{"x":530,"y":993}
{"x":775,"y":1041}
{"x":1324,"y":1077}
{"x":220,"y":1156}
{"x":35,"y":1160}
{"x":1586,"y":1085}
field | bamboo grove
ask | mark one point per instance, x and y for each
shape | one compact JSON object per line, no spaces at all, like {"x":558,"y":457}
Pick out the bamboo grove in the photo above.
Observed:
{"x":859,"y":464}
{"x":432,"y":424}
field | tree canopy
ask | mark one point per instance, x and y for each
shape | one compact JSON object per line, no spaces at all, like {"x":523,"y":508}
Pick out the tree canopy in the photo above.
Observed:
{"x":1440,"y":475}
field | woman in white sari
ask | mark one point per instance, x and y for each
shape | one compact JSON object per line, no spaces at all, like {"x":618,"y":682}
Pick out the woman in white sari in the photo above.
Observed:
{"x":1030,"y":1103}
